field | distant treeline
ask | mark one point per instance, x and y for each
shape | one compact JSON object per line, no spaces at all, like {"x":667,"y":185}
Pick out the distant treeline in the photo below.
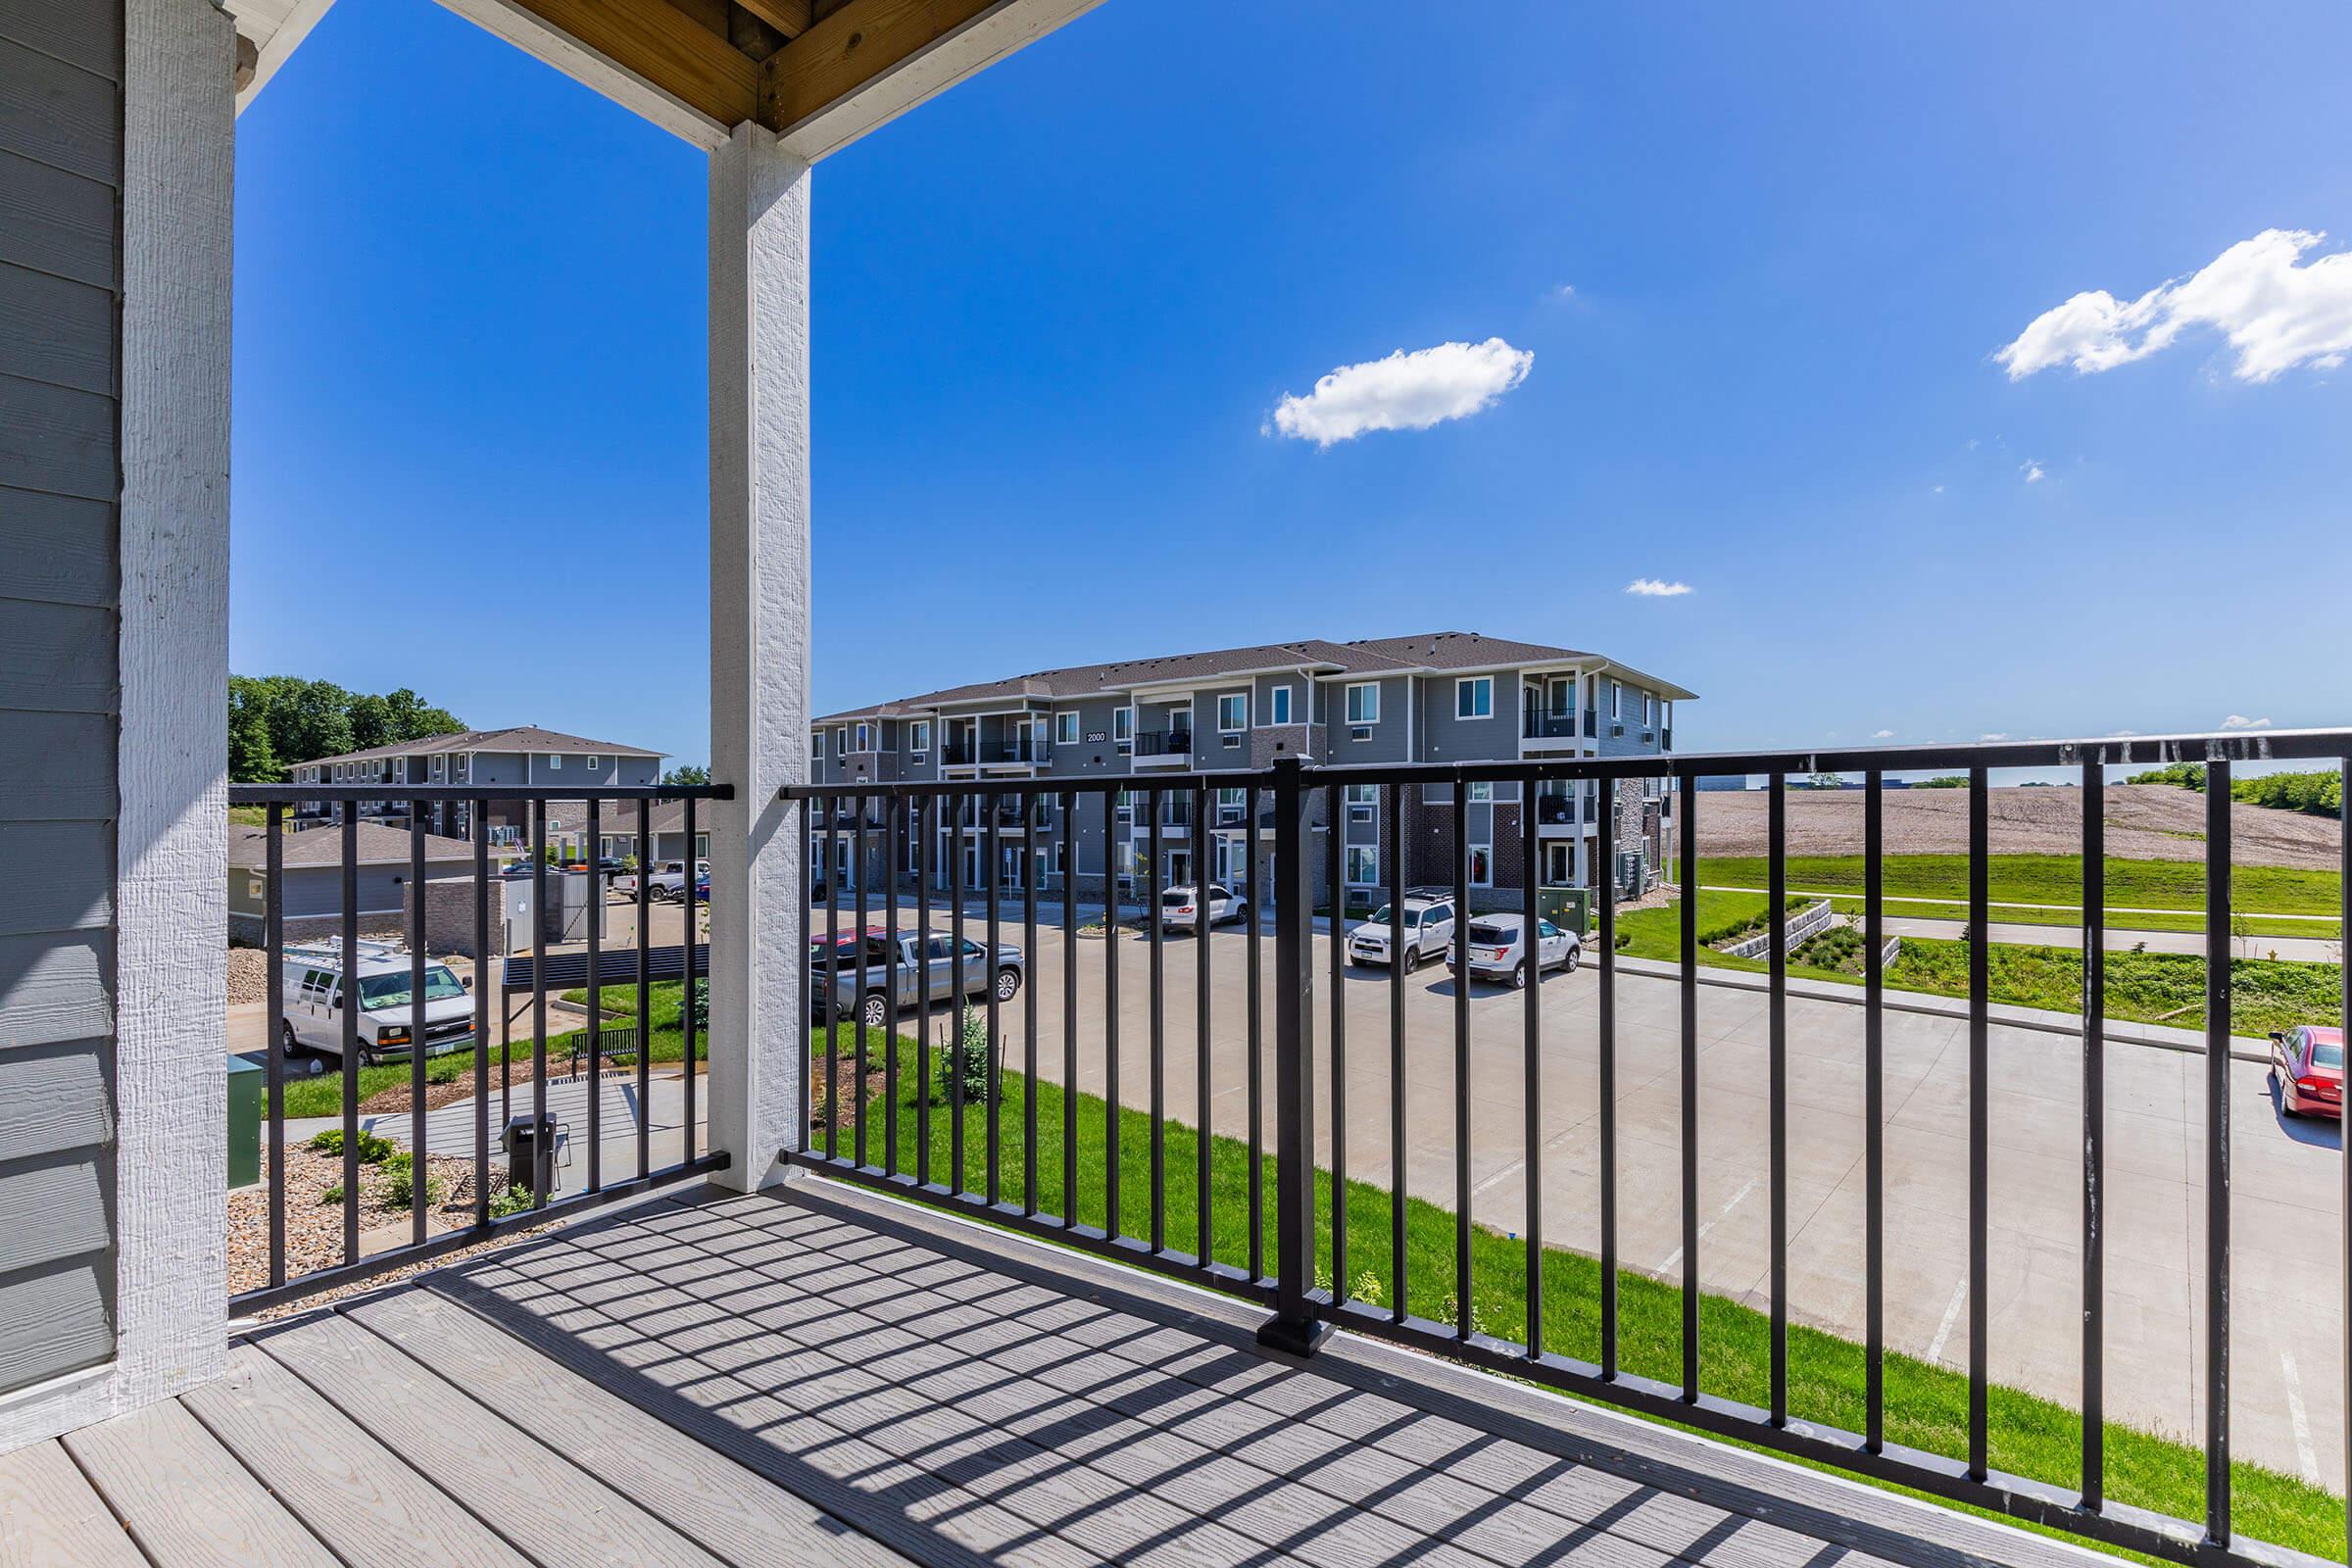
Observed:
{"x":276,"y":721}
{"x":2319,"y":794}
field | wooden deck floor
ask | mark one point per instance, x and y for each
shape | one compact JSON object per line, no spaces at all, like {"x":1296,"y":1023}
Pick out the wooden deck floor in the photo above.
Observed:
{"x":825,"y":1378}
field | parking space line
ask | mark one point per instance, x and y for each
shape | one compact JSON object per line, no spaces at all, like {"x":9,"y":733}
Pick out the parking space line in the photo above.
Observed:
{"x":1676,"y":1256}
{"x":1951,"y":1316}
{"x":2307,"y":1458}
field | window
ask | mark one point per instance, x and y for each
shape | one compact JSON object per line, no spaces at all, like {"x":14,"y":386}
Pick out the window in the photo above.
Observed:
{"x":1278,"y":705}
{"x":1650,"y":711}
{"x":918,"y":738}
{"x":1616,"y":699}
{"x":1363,"y":865}
{"x":1065,"y":729}
{"x":1122,"y":728}
{"x":1481,"y":790}
{"x":554,"y":762}
{"x":702,"y":846}
{"x":1363,"y":795}
{"x":1482,"y":865}
{"x":1363,"y":703}
{"x":595,"y":763}
{"x":1233,"y":712}
{"x":841,"y":741}
{"x":1563,"y":693}
{"x":1474,"y":698}
{"x":865,"y":737}
{"x":1665,"y":713}
{"x":1232,"y":804}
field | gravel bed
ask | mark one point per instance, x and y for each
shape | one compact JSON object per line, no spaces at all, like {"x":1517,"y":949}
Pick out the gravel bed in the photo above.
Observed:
{"x":248,"y":975}
{"x":315,"y":1229}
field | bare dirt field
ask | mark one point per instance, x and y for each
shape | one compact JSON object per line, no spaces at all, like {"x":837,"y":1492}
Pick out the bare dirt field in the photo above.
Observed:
{"x":2144,"y":822}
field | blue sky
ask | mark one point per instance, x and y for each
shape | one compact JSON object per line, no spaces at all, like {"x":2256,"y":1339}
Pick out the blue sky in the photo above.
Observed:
{"x":1762,"y":257}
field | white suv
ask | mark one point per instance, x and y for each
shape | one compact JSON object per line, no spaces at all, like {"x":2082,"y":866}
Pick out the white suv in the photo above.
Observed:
{"x":1180,"y":909}
{"x":1427,"y":928}
{"x":311,"y":989}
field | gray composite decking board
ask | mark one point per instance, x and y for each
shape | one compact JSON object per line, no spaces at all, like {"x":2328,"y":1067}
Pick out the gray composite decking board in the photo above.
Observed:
{"x":53,"y":221}
{"x":725,"y":1507}
{"x":1186,"y":1482}
{"x":59,"y":656}
{"x":55,"y":1319}
{"x":55,"y":1098}
{"x":1855,"y":1519}
{"x":1362,"y":1512}
{"x":83,"y":32}
{"x":493,"y":1467}
{"x":53,"y":988}
{"x":55,"y":766}
{"x":363,"y":1502}
{"x":184,"y":1499}
{"x":49,"y":1515}
{"x":56,"y":548}
{"x":59,"y":875}
{"x":56,"y":1206}
{"x":54,"y":438}
{"x":58,"y":114}
{"x":57,"y":331}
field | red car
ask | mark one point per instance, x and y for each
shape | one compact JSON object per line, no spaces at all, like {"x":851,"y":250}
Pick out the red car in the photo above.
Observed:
{"x":2306,"y":1064}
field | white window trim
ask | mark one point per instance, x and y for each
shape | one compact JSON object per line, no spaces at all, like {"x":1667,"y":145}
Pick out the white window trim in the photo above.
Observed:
{"x":1616,"y":701}
{"x":1362,"y":855}
{"x":554,"y":764}
{"x":1363,"y":795}
{"x":1122,"y":728}
{"x":1348,"y":702}
{"x":1283,"y":697}
{"x":1467,"y":683}
{"x":1476,"y":796}
{"x":1065,"y":729}
{"x":1553,"y":687}
{"x":595,"y":763}
{"x":1475,"y":849}
{"x":1241,"y":698}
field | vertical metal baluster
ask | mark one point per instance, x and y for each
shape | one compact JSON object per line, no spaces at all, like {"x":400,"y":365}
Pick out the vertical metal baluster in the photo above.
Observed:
{"x":1029,"y":859}
{"x":1069,"y":1007}
{"x":926,"y":832}
{"x":596,"y":995}
{"x":1777,"y":1091}
{"x":645,"y":996}
{"x":832,"y":806}
{"x":861,"y":847}
{"x":1529,"y":915}
{"x":993,"y":806}
{"x":1292,"y":1326}
{"x":419,"y":1174}
{"x":1873,"y":1101}
{"x":274,"y":939}
{"x":1111,"y":1227}
{"x":696,"y":968}
{"x":1980,"y":1111}
{"x":1159,"y":1065}
{"x":1335,"y":815}
{"x":1687,"y":808}
{"x":894,"y":851}
{"x":2217,"y":1151}
{"x":2343,"y":931}
{"x":960,"y":985}
{"x":481,"y":1009}
{"x":1601,"y":881}
{"x":543,"y":1152}
{"x":2095,"y":1134}
{"x":346,"y":993}
{"x":1397,"y":962}
{"x":1257,"y":1064}
{"x":1462,"y":1056}
{"x":1203,"y":863}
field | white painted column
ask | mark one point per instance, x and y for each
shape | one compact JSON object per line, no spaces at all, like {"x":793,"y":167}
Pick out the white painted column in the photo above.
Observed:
{"x":758,"y":645}
{"x":170,"y":900}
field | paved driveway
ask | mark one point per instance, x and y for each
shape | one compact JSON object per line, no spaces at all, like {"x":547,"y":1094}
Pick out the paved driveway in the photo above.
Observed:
{"x":2285,"y":1365}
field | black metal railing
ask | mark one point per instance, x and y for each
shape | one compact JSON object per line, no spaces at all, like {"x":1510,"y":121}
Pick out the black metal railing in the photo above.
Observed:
{"x":1297,"y":1254}
{"x":1535,"y":723}
{"x":1163,"y":743}
{"x":336,"y":1010}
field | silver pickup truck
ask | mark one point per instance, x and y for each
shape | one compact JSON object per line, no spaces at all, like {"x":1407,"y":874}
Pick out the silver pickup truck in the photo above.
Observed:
{"x":862,"y":988}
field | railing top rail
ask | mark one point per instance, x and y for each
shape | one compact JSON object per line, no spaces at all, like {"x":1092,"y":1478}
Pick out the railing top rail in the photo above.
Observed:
{"x":394,"y":790}
{"x":2114,"y":751}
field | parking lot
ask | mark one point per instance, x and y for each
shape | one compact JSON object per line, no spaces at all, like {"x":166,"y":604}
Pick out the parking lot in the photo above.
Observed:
{"x":2286,"y":1175}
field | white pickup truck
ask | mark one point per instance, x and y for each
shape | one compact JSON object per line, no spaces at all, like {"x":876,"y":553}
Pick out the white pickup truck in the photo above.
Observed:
{"x":664,"y":884}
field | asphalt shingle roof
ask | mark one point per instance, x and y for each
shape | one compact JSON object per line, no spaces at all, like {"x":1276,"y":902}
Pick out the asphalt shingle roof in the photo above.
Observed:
{"x":519,"y":738}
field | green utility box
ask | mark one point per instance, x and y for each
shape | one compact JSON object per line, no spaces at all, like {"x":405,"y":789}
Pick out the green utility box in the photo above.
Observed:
{"x":245,"y":1085}
{"x":1570,"y":909}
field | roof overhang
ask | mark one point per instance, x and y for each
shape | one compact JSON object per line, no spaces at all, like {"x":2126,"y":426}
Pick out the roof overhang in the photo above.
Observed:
{"x":820,"y":73}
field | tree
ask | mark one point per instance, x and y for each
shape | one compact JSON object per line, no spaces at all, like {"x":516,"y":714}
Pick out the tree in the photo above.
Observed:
{"x":276,"y":721}
{"x":1827,"y":781}
{"x":687,"y":773}
{"x":252,"y":760}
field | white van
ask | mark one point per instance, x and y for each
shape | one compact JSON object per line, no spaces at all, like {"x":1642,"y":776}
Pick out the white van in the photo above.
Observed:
{"x":311,"y":986}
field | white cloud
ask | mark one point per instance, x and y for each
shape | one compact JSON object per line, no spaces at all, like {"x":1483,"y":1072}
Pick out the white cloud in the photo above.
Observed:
{"x":2241,"y":721}
{"x":2033,"y":472}
{"x":2276,"y":312}
{"x":1404,"y":391}
{"x":1656,"y":588}
{"x":1882,"y":734}
{"x":1939,"y":489}
{"x":1563,"y":291}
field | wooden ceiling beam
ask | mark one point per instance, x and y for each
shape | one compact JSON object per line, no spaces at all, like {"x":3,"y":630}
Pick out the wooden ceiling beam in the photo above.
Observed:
{"x":790,"y":18}
{"x":852,"y":46}
{"x":662,"y":46}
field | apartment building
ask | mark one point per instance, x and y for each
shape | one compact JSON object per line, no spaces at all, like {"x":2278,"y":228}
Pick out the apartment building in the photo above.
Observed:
{"x":524,"y":754}
{"x":1445,"y":696}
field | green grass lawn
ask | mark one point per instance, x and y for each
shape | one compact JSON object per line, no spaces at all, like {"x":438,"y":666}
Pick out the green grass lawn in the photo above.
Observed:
{"x":2058,"y":879}
{"x":1927,"y":1407}
{"x":2167,"y":988}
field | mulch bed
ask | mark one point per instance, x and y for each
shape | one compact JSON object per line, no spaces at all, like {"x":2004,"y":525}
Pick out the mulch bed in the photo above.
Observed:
{"x":844,"y":1079}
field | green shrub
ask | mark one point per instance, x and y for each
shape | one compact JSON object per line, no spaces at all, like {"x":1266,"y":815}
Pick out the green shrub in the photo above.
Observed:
{"x":512,"y":1199}
{"x":702,"y":1007}
{"x":400,"y":1183}
{"x":444,"y":1071}
{"x":970,"y":1055}
{"x":373,"y":1150}
{"x":332,"y":1196}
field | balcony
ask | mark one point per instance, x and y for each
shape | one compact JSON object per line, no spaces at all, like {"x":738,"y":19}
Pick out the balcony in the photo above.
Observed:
{"x":1164,"y":748}
{"x":1541,"y":731}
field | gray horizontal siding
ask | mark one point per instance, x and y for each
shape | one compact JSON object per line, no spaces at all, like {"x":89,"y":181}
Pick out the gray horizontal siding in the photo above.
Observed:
{"x":59,"y":1099}
{"x":55,"y":1320}
{"x":61,"y":163}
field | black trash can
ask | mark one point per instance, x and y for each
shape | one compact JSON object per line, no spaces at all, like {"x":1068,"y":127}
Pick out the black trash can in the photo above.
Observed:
{"x":530,"y":1145}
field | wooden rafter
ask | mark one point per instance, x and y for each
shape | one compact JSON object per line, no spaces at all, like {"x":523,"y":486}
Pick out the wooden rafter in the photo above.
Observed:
{"x":660,"y":43}
{"x":852,"y":46}
{"x":790,"y":18}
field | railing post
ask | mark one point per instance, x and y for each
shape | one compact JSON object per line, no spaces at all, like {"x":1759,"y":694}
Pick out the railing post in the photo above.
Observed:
{"x":1295,"y":1327}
